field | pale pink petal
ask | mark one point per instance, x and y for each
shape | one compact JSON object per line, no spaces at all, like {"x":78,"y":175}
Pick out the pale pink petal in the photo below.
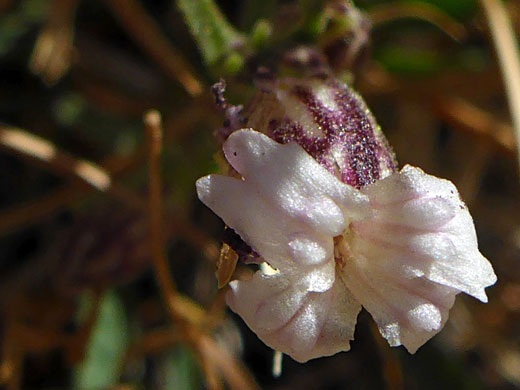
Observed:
{"x":291,"y":179}
{"x":290,"y":318}
{"x":408,"y":311}
{"x":411,"y":257}
{"x":280,"y":240}
{"x":287,"y":213}
{"x":408,"y":248}
{"x":420,"y":225}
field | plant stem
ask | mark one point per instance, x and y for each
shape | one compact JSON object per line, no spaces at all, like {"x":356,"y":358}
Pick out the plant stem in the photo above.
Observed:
{"x":508,"y":57}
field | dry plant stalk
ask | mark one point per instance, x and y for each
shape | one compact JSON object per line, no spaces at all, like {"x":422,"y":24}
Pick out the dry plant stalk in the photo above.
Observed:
{"x":21,"y":338}
{"x":508,"y":56}
{"x":30,"y":145}
{"x":389,"y":12}
{"x":213,"y":359}
{"x":87,"y":172}
{"x":467,"y":117}
{"x":34,"y":210}
{"x":147,"y":34}
{"x":94,"y":176}
{"x":153,"y":125}
{"x":52,"y":54}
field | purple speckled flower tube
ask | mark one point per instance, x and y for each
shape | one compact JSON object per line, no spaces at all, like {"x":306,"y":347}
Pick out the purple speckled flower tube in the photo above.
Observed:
{"x":330,"y":121}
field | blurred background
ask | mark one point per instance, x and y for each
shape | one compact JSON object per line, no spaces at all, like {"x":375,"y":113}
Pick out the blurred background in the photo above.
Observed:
{"x":96,"y":292}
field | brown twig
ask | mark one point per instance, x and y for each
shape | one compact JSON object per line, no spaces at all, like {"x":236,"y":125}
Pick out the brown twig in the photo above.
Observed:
{"x":508,"y":56}
{"x":53,"y":50}
{"x":211,"y":375}
{"x":145,"y":31}
{"x":153,"y":125}
{"x":87,"y":172}
{"x":29,"y":145}
{"x":91,"y":174}
{"x":212,"y":355}
{"x":233,"y":371}
{"x":388,"y":12}
{"x":34,"y":210}
{"x":467,"y":117}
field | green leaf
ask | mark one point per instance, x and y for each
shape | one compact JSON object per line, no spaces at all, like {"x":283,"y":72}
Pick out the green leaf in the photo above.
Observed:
{"x":410,"y":61}
{"x":180,"y":371}
{"x":106,"y":348}
{"x":260,"y":34}
{"x":216,"y":37}
{"x":14,"y":24}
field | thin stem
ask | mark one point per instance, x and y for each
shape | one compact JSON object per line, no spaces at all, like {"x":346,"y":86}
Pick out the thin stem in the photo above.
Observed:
{"x":233,"y":371}
{"x":464,"y":116}
{"x":89,"y":173}
{"x":26,"y":144}
{"x":146,"y":33}
{"x":93,"y":175}
{"x":388,"y":12}
{"x":211,"y":353}
{"x":52,"y":53}
{"x":508,"y":57}
{"x":277,"y":364}
{"x":153,"y":125}
{"x":37,"y":209}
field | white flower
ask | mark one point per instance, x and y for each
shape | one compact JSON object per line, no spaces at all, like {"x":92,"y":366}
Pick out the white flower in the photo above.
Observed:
{"x":402,"y":247}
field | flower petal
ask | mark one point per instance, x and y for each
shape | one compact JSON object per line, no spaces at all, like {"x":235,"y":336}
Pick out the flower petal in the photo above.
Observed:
{"x":408,"y":311}
{"x":411,"y":257}
{"x":280,"y":240}
{"x":285,"y":207}
{"x":293,"y":180}
{"x":290,"y":318}
{"x":421,"y":226}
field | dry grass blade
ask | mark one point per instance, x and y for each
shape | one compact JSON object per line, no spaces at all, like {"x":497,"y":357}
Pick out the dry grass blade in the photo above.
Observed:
{"x":232,"y":370}
{"x":87,"y":172}
{"x":145,"y":31}
{"x":153,"y":124}
{"x":52,"y":54}
{"x":389,"y":12}
{"x":508,"y":56}
{"x":277,"y":364}
{"x":30,"y":145}
{"x":464,"y":116}
{"x":35,"y":210}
